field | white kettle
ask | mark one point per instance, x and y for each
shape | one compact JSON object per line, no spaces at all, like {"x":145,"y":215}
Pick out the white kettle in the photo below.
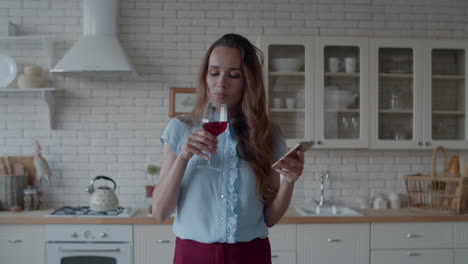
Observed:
{"x":104,"y":198}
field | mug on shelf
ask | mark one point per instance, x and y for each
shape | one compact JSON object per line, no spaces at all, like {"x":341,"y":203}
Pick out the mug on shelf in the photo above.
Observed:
{"x":291,"y":103}
{"x":277,"y":102}
{"x":350,"y":64}
{"x":334,"y":64}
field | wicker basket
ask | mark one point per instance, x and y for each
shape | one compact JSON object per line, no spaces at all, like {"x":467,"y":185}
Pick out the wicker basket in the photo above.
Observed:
{"x":437,"y":192}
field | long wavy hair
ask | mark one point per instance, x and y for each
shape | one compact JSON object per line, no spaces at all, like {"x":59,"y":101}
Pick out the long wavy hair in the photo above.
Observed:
{"x":254,"y":130}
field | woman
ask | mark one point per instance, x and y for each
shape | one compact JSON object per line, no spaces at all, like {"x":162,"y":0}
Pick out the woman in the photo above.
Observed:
{"x":223,"y":216}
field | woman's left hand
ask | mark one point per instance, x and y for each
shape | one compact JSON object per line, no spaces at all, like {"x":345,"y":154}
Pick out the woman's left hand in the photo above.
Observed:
{"x":291,"y":167}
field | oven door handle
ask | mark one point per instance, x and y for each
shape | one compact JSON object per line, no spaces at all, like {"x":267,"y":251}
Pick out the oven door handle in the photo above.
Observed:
{"x":89,"y":250}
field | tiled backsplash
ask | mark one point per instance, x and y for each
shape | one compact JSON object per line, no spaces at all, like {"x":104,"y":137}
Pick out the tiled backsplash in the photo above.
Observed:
{"x":110,"y":124}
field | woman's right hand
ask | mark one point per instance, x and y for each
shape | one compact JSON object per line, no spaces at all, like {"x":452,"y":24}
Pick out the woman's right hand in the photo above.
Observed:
{"x":198,"y":142}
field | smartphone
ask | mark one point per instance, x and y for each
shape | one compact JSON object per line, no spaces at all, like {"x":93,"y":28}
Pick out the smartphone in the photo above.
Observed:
{"x":302,"y":146}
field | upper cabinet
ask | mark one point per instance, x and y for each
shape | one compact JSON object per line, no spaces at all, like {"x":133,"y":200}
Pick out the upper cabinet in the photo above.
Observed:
{"x":288,"y":79}
{"x":445,"y":93}
{"x":396,"y":95}
{"x":341,"y":92}
{"x":368,"y":92}
{"x":418,"y":94}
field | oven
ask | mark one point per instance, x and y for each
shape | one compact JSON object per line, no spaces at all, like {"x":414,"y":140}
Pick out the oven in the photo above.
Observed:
{"x":89,"y":244}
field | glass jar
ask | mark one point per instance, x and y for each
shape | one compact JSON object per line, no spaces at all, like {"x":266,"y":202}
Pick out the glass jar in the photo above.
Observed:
{"x":30,"y":198}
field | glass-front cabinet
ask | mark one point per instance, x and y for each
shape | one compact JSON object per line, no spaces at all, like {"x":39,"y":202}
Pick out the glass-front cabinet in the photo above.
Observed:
{"x":396,"y":95}
{"x":445,"y":90}
{"x":341,"y":89}
{"x":288,"y":69}
{"x":368,"y":92}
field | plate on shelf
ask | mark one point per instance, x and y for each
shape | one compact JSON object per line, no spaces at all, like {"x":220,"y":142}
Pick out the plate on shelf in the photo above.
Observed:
{"x":7,"y":70}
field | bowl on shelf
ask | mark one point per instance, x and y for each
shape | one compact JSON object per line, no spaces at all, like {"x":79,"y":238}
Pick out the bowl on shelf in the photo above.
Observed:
{"x":338,"y":99}
{"x":287,"y":64}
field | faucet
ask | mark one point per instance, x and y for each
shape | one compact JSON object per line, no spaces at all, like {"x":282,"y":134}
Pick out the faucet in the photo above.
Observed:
{"x":322,"y":202}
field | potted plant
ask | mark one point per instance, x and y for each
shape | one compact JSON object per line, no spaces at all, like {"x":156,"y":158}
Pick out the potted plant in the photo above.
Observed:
{"x":152,"y":170}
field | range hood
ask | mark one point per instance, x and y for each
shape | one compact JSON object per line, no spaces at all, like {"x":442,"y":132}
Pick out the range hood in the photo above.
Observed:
{"x":99,"y":48}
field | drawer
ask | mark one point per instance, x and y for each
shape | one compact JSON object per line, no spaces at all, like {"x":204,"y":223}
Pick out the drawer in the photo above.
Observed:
{"x":283,"y":257}
{"x":461,"y":235}
{"x":411,"y":235}
{"x":412,"y":256}
{"x":153,"y":242}
{"x":16,"y":240}
{"x":461,"y":255}
{"x":283,"y":237}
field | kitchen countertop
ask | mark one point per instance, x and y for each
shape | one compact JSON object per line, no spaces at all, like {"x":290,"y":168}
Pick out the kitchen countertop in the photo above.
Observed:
{"x":291,"y":217}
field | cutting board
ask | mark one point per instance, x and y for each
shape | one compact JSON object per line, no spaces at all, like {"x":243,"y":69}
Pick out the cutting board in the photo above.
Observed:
{"x":28,"y":164}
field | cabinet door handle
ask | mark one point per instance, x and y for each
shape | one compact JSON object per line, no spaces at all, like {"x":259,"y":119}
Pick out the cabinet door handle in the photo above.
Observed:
{"x":412,"y":235}
{"x":319,"y":142}
{"x":333,"y":240}
{"x":413,"y":254}
{"x":420,"y":143}
{"x":274,"y":256}
{"x":162,"y":241}
{"x":428,"y":143}
{"x":15,"y":241}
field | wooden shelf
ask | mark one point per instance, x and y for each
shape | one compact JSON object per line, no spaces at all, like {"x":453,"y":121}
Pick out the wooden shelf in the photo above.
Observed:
{"x":284,"y":110}
{"x":448,"y":77}
{"x":47,"y":96}
{"x":343,"y":74}
{"x":396,"y":75}
{"x":443,"y":112}
{"x":330,"y":110}
{"x":286,"y":73}
{"x":399,"y":112}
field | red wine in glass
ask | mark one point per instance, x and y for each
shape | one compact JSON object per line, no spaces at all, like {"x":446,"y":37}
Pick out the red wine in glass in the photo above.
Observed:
{"x":214,"y":121}
{"x":215,"y":128}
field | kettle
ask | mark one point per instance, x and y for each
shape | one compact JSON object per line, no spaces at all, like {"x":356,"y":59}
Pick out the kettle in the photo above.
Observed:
{"x":104,"y":198}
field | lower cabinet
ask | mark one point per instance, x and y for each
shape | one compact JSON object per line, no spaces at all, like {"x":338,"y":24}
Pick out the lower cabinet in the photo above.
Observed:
{"x":461,"y":243}
{"x":22,"y":244}
{"x":283,"y":244}
{"x":333,"y":244}
{"x":412,"y":256}
{"x":153,"y":244}
{"x":412,"y":243}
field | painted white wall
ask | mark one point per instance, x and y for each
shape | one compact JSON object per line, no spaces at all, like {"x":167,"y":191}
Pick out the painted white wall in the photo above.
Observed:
{"x":110,"y":124}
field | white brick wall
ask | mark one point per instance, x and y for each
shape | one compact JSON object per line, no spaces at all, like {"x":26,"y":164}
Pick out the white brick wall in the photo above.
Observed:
{"x":111,"y":124}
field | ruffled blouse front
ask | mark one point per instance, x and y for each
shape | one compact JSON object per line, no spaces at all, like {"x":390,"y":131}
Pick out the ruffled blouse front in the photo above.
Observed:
{"x":217,"y":205}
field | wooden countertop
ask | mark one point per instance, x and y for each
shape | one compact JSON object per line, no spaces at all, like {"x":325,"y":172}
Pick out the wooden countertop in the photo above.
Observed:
{"x":291,"y":217}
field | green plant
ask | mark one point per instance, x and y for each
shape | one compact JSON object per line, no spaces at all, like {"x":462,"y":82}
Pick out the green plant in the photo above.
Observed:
{"x":152,"y":169}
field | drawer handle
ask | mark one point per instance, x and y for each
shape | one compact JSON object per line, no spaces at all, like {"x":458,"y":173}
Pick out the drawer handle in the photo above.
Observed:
{"x":412,"y":235}
{"x":413,"y":254}
{"x":162,"y":241}
{"x":274,"y":256}
{"x":15,"y":241}
{"x":333,"y":240}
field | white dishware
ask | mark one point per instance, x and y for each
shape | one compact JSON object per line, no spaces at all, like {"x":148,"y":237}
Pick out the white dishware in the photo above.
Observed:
{"x":334,"y":64}
{"x":350,"y":65}
{"x":394,"y":199}
{"x":277,"y":102}
{"x":32,"y":77}
{"x":336,"y":98}
{"x":7,"y":70}
{"x":288,"y":64}
{"x":291,"y":103}
{"x":380,"y":202}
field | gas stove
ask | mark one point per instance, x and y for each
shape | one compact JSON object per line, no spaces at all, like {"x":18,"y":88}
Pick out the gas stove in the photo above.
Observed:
{"x":84,"y":211}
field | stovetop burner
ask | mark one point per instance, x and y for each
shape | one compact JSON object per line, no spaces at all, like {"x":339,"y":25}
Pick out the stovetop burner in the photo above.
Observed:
{"x":85,"y":211}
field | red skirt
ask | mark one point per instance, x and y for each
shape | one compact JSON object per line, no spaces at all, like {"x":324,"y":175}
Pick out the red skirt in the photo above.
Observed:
{"x":257,"y":251}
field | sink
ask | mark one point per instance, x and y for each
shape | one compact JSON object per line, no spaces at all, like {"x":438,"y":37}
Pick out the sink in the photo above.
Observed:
{"x":328,"y":211}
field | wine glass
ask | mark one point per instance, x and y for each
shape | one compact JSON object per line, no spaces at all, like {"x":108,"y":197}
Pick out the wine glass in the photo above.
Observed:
{"x":214,"y":120}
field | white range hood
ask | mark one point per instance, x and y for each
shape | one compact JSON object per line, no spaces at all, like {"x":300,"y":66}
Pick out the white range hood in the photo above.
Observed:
{"x":99,"y":48}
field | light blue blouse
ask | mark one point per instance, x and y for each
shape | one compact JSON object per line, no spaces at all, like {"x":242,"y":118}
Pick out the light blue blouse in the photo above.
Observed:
{"x":217,"y":206}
